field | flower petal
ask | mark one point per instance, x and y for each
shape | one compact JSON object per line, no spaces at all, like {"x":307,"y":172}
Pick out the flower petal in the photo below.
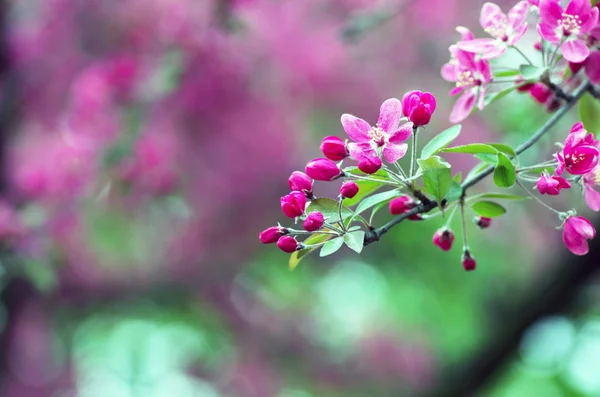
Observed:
{"x":478,"y":46}
{"x":550,"y":12}
{"x":575,"y":243}
{"x":392,"y":152}
{"x":591,"y":22}
{"x":592,"y":198}
{"x":356,"y":128}
{"x":390,"y":114}
{"x":581,"y":226}
{"x":575,"y":50}
{"x":517,"y":16}
{"x":449,"y":72}
{"x":592,"y":67}
{"x":578,"y":8}
{"x":548,"y":33}
{"x":488,"y":15}
{"x":402,"y":133}
{"x":463,"y":106}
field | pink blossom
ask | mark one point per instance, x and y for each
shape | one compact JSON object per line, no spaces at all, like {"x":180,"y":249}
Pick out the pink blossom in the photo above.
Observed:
{"x":590,"y":181}
{"x":300,"y":182}
{"x":418,"y":107}
{"x":383,"y":138}
{"x":288,"y":244}
{"x":443,"y":238}
{"x":403,"y":204}
{"x":580,"y":153}
{"x":322,"y":169}
{"x":568,"y":27}
{"x":369,"y":165}
{"x":577,"y":230}
{"x":471,"y":76}
{"x":540,"y":92}
{"x":468,"y":261}
{"x":483,"y":222}
{"x":349,"y":189}
{"x":450,"y":69}
{"x":551,"y":185}
{"x":293,"y":204}
{"x":506,"y":30}
{"x":313,"y":221}
{"x":534,"y":2}
{"x":334,"y":148}
{"x":272,"y":234}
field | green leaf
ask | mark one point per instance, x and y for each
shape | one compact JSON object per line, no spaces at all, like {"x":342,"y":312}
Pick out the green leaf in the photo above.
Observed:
{"x":504,"y":174}
{"x":487,"y":158}
{"x":501,"y":147}
{"x":329,"y":208}
{"x":458,"y":177}
{"x":440,"y":141}
{"x":454,"y":193}
{"x":297,"y":256}
{"x":432,"y":162}
{"x":331,"y":246}
{"x":472,"y":148}
{"x":495,"y":96}
{"x":502,"y":196}
{"x":365,"y":188}
{"x":376,"y":199}
{"x":380,"y":174}
{"x":589,"y":112}
{"x":355,"y":240}
{"x":488,"y":209}
{"x":530,"y":72}
{"x":437,"y":182}
{"x":506,"y":73}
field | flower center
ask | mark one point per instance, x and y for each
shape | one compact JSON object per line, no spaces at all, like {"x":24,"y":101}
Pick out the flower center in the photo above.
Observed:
{"x":596,"y":176}
{"x":497,"y":29}
{"x":467,"y":78}
{"x":570,"y":24}
{"x":377,"y":135}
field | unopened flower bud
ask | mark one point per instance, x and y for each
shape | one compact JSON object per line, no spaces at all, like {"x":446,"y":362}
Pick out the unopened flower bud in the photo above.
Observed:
{"x":540,"y":92}
{"x":349,"y":189}
{"x":483,"y":222}
{"x":553,"y":105}
{"x":522,"y":87}
{"x":369,"y":165}
{"x":538,"y":44}
{"x":403,"y":204}
{"x":443,"y":238}
{"x":314,"y":221}
{"x":272,"y":234}
{"x":418,"y":107}
{"x":300,"y":182}
{"x":334,"y":148}
{"x":322,"y":169}
{"x":468,"y":261}
{"x":293,"y":204}
{"x":288,"y":244}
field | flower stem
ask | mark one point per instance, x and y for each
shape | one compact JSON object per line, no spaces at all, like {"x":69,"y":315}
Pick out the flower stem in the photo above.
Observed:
{"x":523,"y":55}
{"x":533,"y":196}
{"x":464,"y":224}
{"x":413,"y":157}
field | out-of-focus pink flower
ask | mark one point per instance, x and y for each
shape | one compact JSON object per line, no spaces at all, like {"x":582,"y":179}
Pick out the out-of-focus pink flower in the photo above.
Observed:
{"x":568,"y":27}
{"x":300,"y":182}
{"x":349,"y":189}
{"x":443,"y":238}
{"x":288,"y":244}
{"x":506,"y":30}
{"x":591,"y":65}
{"x":334,"y":148}
{"x":534,"y":2}
{"x":313,"y":221}
{"x":322,"y":169}
{"x":580,"y":153}
{"x":590,"y":181}
{"x":10,"y":224}
{"x":403,"y":204}
{"x":450,"y":69}
{"x":272,"y":234}
{"x":468,"y":261}
{"x":383,"y":138}
{"x":471,"y":76}
{"x":551,"y":185}
{"x":293,"y":204}
{"x":418,"y":107}
{"x":577,"y":230}
{"x":540,"y":92}
{"x":483,"y":222}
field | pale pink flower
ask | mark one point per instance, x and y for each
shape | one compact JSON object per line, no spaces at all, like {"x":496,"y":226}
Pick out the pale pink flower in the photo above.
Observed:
{"x":580,"y":153}
{"x":576,"y":232}
{"x":592,"y":196}
{"x":568,"y":27}
{"x":385,"y":137}
{"x":551,"y":185}
{"x":450,"y":69}
{"x":506,"y":30}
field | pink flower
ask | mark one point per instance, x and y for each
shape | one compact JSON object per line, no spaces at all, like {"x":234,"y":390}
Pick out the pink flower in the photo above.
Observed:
{"x":334,"y":148}
{"x":293,"y":204}
{"x":272,"y":234}
{"x":314,"y":221}
{"x":322,"y":169}
{"x":483,"y":222}
{"x":471,"y":76}
{"x":534,"y":2}
{"x":300,"y":182}
{"x":418,"y":107}
{"x":540,"y":92}
{"x":576,"y":232}
{"x":506,"y":30}
{"x":369,"y":165}
{"x":551,"y":185}
{"x":443,"y":238}
{"x":591,"y":180}
{"x":568,"y":27}
{"x":580,"y":153}
{"x":403,"y":204}
{"x":468,"y":261}
{"x":288,"y":244}
{"x":383,"y":138}
{"x":349,"y":189}
{"x":450,"y":69}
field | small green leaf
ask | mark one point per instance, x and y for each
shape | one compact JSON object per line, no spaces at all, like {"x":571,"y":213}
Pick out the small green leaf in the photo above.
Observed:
{"x":504,"y":174}
{"x":589,"y":112}
{"x":440,"y":141}
{"x":506,"y":73}
{"x":329,"y":208}
{"x":437,"y":182}
{"x":380,"y":174}
{"x":331,"y":246}
{"x":376,"y":199}
{"x":495,"y":96}
{"x":506,"y":149}
{"x":454,"y":193}
{"x":487,"y":158}
{"x":297,"y":256}
{"x":530,"y":72}
{"x":432,"y":162}
{"x":458,"y":177}
{"x":472,"y":148}
{"x":502,"y":196}
{"x":355,"y":240}
{"x":488,"y":209}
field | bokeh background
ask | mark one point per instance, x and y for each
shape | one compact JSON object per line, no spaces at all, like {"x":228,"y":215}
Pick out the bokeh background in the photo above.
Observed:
{"x":145,"y":143}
